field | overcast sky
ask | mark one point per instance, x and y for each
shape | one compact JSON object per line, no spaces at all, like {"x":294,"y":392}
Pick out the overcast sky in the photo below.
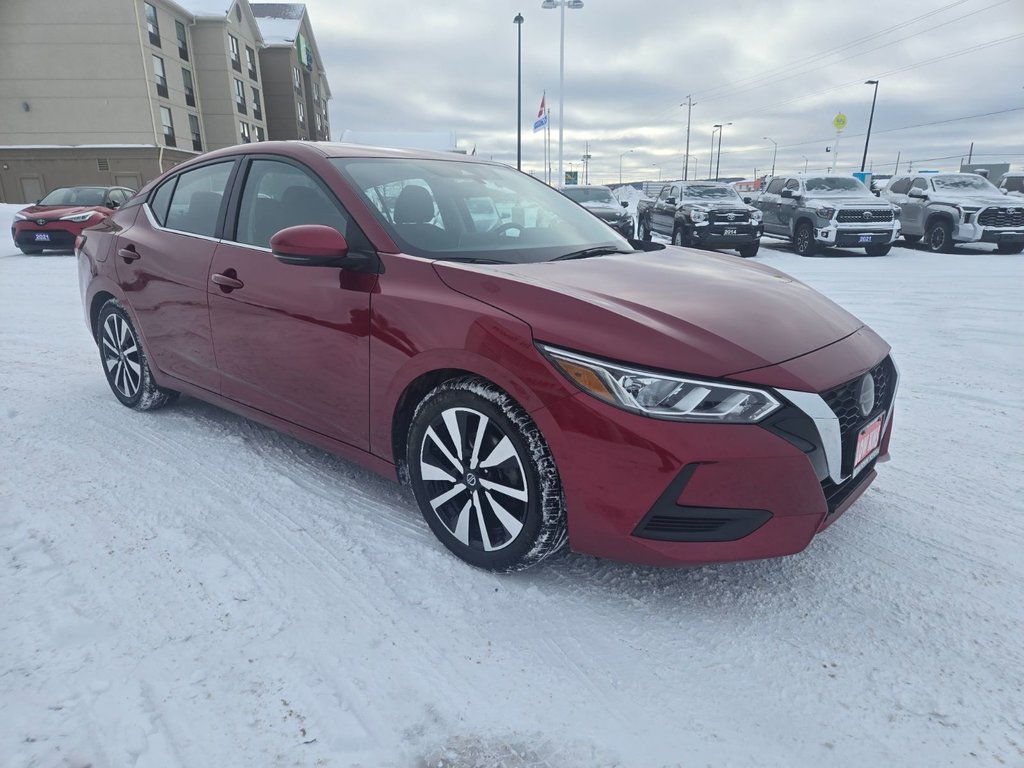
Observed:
{"x":776,"y":69}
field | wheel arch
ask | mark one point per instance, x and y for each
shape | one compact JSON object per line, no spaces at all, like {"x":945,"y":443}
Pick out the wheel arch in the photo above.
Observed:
{"x":405,"y":407}
{"x":95,"y":305}
{"x":934,"y":216}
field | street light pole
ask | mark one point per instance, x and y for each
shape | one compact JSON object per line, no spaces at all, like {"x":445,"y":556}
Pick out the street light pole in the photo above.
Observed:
{"x":871,"y":119}
{"x":550,"y":5}
{"x":774,"y":153}
{"x":805,"y":162}
{"x":711,"y":157}
{"x":686,"y":157}
{"x":718,"y":161}
{"x":518,"y":21}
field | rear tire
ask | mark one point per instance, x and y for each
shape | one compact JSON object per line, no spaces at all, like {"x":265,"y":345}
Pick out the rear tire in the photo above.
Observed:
{"x":124,"y":361}
{"x":677,"y":237}
{"x":803,"y":240}
{"x":749,"y":251}
{"x":878,"y":250}
{"x":1010,"y":247}
{"x":484,"y":477}
{"x":939,"y":237}
{"x":643,"y":230}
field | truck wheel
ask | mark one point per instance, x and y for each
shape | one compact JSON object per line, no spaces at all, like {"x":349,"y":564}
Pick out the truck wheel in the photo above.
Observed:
{"x":939,"y":237}
{"x":1010,"y":247}
{"x":877,"y":250}
{"x":677,"y":236}
{"x":643,"y":230}
{"x":803,"y":240}
{"x":749,"y":251}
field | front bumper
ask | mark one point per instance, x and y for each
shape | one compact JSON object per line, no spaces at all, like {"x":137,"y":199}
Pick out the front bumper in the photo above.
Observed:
{"x":724,"y":235}
{"x":666,"y":493}
{"x":975,"y":233}
{"x":56,"y":235}
{"x":857,"y":235}
{"x":624,"y":226}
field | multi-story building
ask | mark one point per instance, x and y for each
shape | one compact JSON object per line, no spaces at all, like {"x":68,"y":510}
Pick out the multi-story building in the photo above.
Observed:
{"x":117,"y":91}
{"x":295,"y":83}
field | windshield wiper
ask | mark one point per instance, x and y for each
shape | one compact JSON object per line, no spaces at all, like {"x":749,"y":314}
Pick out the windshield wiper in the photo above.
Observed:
{"x":586,"y":253}
{"x":471,"y":260}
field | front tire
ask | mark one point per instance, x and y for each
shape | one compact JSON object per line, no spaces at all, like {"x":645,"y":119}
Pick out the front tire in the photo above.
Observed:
{"x":484,"y":477}
{"x":878,"y":250}
{"x":749,"y":251}
{"x":643,"y":230}
{"x":124,"y":361}
{"x":803,"y":240}
{"x":939,"y":237}
{"x":677,"y":236}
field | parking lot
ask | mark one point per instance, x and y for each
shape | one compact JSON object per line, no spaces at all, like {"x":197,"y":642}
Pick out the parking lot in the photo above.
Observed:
{"x":186,"y":588}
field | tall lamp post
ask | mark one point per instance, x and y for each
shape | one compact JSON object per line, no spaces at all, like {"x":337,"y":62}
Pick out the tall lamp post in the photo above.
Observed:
{"x":718,"y":161}
{"x":549,"y":5}
{"x":871,"y":119}
{"x":805,"y":162}
{"x":775,"y":152}
{"x":711,"y":157}
{"x":518,"y":21}
{"x":620,"y":163}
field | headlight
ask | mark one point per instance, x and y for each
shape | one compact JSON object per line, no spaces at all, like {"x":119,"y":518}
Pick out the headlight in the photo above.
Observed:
{"x":20,"y":217}
{"x":79,"y":217}
{"x":755,"y":215}
{"x":698,"y":215}
{"x":896,"y":210}
{"x":663,"y":396}
{"x":825,"y":212}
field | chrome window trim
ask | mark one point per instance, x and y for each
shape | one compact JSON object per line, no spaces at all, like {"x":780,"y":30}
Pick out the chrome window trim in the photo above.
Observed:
{"x":156,"y":225}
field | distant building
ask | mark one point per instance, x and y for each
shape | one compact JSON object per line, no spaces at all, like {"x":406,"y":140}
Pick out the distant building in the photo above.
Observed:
{"x":295,"y":83}
{"x":114,"y":92}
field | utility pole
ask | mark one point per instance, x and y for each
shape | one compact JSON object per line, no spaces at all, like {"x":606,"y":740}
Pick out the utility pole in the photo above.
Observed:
{"x":686,"y":157}
{"x":896,"y":170}
{"x":586,"y":165}
{"x":970,"y":154}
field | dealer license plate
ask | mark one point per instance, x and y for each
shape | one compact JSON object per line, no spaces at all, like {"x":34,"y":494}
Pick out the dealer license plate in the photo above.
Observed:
{"x":867,"y":443}
{"x":729,"y":232}
{"x":42,"y":237}
{"x":864,"y":239}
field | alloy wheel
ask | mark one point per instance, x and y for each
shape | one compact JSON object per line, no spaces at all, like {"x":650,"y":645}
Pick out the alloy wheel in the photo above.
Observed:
{"x":474,"y":479}
{"x":121,"y":356}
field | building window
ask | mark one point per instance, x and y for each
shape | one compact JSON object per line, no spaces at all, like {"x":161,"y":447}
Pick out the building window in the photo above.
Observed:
{"x":197,"y":139}
{"x":246,"y":135}
{"x":257,"y":106}
{"x":179,"y":31}
{"x":168,"y":123}
{"x":319,"y":124}
{"x":250,"y":59}
{"x":236,"y":59}
{"x":240,"y":95}
{"x":190,"y":91}
{"x":301,"y":112}
{"x":160,"y":76}
{"x":297,"y":79}
{"x":152,"y":25}
{"x":316,"y":92}
{"x":259,"y":134}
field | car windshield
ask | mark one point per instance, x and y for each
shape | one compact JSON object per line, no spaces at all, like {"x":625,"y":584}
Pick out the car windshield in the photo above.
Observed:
{"x":961,"y":181}
{"x":470,"y":211}
{"x":590,"y":194}
{"x":85,"y":196}
{"x":1013,"y":183}
{"x":708,"y":192}
{"x":830,"y":185}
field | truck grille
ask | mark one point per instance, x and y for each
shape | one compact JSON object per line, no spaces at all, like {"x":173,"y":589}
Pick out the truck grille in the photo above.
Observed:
{"x":1002,"y":217}
{"x":728,"y":217}
{"x":863,"y":215}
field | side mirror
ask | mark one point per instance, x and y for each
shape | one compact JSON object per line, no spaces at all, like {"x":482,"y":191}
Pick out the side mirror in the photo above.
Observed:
{"x":1005,"y":191}
{"x":747,"y":200}
{"x":787,"y":193}
{"x":316,"y":245}
{"x":917,"y":192}
{"x":625,"y":203}
{"x":113,"y":204}
{"x":670,"y":201}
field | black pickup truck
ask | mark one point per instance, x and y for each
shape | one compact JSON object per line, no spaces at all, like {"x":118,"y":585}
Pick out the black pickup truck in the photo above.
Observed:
{"x":701,"y":214}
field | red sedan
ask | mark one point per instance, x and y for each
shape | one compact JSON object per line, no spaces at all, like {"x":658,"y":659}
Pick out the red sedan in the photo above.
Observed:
{"x":535,"y":377}
{"x":55,"y":221}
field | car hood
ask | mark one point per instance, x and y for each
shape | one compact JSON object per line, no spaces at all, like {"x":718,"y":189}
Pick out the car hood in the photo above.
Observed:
{"x":976,"y":198}
{"x":56,"y":211}
{"x":855,"y":199}
{"x":604,"y":209}
{"x":714,"y":205}
{"x":676,"y":309}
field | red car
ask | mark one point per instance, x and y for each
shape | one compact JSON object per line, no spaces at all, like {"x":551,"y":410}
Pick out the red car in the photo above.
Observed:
{"x":55,"y":221}
{"x":536,"y":378}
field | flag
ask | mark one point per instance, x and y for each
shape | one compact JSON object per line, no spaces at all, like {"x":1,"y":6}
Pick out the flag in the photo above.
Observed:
{"x":542,"y":115}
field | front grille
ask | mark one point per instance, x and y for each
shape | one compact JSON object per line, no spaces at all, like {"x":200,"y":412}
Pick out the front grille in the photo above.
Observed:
{"x":722,"y":217}
{"x":863,"y":215}
{"x":843,"y":400}
{"x":1002,"y":217}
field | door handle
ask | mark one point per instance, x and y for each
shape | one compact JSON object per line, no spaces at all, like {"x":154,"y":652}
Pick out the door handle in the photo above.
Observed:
{"x":227,"y":283}
{"x":129,"y":254}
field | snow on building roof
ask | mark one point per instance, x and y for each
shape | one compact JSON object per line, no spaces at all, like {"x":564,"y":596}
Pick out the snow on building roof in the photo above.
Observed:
{"x":278,"y":22}
{"x":206,"y":7}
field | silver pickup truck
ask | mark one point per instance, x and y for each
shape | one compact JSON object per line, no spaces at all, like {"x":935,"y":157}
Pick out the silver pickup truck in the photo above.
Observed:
{"x":814,"y":211}
{"x":950,"y":208}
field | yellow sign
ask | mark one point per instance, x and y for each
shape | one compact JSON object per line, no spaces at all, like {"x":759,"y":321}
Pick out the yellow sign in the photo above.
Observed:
{"x":839,"y":121}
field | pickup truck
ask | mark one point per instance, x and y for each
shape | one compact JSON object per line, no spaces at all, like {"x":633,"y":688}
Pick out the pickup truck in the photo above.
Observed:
{"x":814,"y":211}
{"x":701,"y":214}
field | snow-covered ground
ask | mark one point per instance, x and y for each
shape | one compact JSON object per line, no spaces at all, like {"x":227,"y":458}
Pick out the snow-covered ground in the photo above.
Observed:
{"x":186,"y":588}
